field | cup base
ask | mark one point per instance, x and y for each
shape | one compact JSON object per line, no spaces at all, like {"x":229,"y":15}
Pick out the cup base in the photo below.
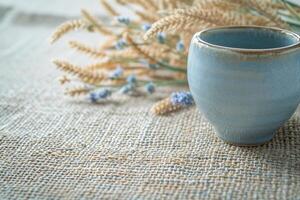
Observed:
{"x":246,"y":140}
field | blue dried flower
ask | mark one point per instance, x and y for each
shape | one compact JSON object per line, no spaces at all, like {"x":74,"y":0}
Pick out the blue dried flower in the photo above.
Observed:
{"x":93,"y":97}
{"x":161,"y":37}
{"x":152,"y":66}
{"x":180,"y":46}
{"x":104,"y":93}
{"x":146,"y":27}
{"x":101,"y":94}
{"x":117,"y":73}
{"x":121,"y":43}
{"x":150,"y":87}
{"x":126,"y":88}
{"x":149,"y":65}
{"x":131,"y":79}
{"x":182,"y":98}
{"x":123,"y":20}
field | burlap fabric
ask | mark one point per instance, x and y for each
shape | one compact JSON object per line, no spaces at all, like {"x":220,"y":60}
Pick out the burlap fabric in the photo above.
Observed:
{"x":52,"y":147}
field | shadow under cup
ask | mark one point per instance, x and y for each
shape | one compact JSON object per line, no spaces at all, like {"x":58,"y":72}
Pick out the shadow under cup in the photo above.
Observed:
{"x":245,"y":80}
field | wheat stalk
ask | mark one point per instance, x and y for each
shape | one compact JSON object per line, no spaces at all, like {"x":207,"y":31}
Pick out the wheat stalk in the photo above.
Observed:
{"x":109,"y":8}
{"x":84,"y":75}
{"x":95,"y":23}
{"x":77,"y":91}
{"x":108,"y":64}
{"x":197,"y":16}
{"x":65,"y":28}
{"x":86,"y":49}
{"x":125,"y":53}
{"x":136,"y":48}
{"x":164,"y":106}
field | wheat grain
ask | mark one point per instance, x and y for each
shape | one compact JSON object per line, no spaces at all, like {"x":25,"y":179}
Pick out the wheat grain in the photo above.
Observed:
{"x":85,"y":75}
{"x":164,"y":106}
{"x":77,"y":91}
{"x":197,"y":16}
{"x":86,"y":49}
{"x":173,"y":23}
{"x":63,"y":80}
{"x":65,"y":28}
{"x":107,"y":64}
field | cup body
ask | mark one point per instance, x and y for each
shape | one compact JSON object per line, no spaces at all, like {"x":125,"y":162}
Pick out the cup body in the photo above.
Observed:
{"x":245,"y":80}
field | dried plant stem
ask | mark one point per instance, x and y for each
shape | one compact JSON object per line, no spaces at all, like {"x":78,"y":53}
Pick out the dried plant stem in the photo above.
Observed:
{"x":86,"y":49}
{"x":126,"y":53}
{"x":109,"y":8}
{"x":65,"y":28}
{"x":146,"y":55}
{"x":95,"y":23}
{"x":136,"y":48}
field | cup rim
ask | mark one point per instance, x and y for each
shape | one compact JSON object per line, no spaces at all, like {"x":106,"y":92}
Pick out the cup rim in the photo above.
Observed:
{"x":250,"y":51}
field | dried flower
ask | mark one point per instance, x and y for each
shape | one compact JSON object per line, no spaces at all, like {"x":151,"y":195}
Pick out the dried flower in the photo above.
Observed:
{"x":180,"y":46}
{"x":170,"y":24}
{"x":93,"y":97}
{"x":104,"y":93}
{"x":148,"y":65}
{"x":99,"y":95}
{"x":150,"y":88}
{"x":146,"y":27}
{"x":182,"y":98}
{"x":131,"y":79}
{"x":123,"y":20}
{"x":161,"y":37}
{"x":127,"y":88}
{"x":121,"y":44}
{"x":117,"y":73}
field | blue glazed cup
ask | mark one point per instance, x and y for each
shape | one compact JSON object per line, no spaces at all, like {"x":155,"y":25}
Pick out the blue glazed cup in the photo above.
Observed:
{"x":245,"y":80}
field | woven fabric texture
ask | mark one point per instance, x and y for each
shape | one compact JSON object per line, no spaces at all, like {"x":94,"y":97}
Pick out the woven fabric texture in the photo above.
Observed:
{"x":52,"y":147}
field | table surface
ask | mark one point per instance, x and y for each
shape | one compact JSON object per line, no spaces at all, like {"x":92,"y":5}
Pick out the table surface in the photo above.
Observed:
{"x":53,"y":147}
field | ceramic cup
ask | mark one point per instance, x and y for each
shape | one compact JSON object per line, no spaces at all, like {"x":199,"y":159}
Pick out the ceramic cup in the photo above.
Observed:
{"x":245,"y":80}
